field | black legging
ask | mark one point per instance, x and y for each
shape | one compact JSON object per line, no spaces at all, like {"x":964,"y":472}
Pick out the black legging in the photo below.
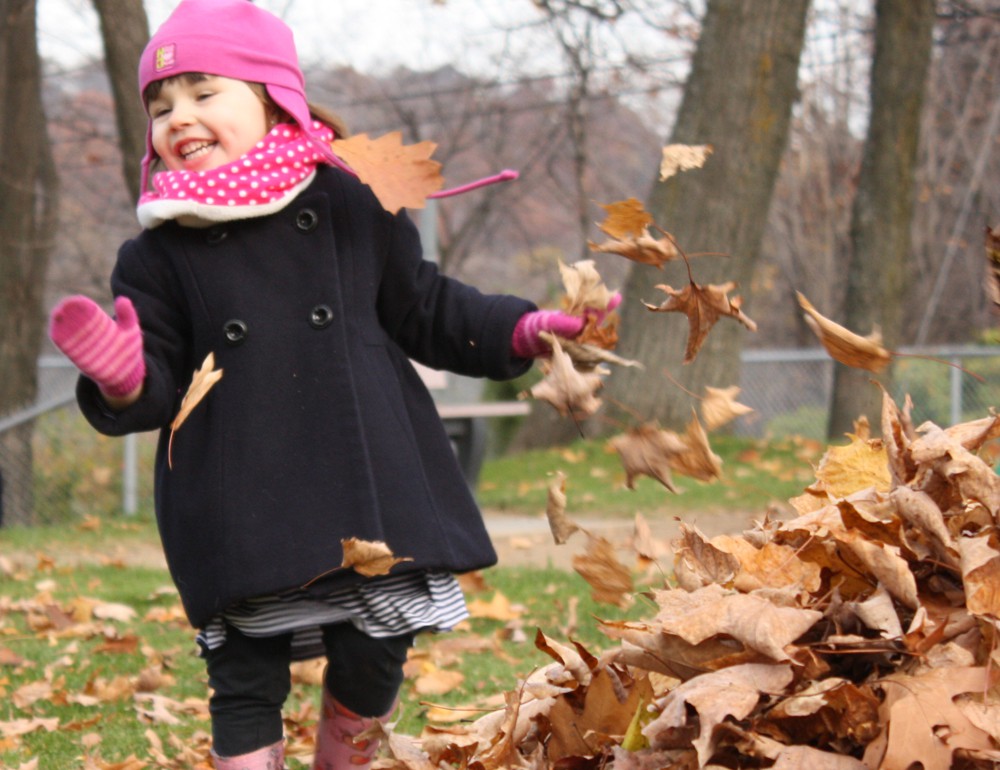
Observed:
{"x":250,"y":681}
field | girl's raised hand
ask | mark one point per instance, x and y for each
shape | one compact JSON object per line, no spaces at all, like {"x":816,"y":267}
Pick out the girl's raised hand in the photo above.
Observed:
{"x":527,"y":342}
{"x":108,"y":351}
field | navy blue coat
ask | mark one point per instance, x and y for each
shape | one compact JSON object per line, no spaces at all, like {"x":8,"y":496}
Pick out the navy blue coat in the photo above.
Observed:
{"x":320,"y":429}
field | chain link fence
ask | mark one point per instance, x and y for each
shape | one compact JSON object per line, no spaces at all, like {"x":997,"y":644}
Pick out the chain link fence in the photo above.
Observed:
{"x":55,"y":468}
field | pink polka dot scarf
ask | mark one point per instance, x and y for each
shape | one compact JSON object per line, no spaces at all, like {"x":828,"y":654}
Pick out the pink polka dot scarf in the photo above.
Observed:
{"x":262,"y":182}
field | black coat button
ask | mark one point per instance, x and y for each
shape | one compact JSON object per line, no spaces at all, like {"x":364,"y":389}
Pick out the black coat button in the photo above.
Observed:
{"x":235,"y":331}
{"x":320,"y":317}
{"x":306,"y":220}
{"x":216,"y":235}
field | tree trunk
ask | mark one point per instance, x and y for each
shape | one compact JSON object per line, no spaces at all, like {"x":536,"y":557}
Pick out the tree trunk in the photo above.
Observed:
{"x":883,"y":205}
{"x":125,"y":32}
{"x":738,"y":98}
{"x":28,"y":216}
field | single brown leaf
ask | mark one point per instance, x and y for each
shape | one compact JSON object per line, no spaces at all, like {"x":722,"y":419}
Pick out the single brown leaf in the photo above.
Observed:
{"x":682,"y":157}
{"x":369,"y":557}
{"x":844,"y":470}
{"x":572,"y":393}
{"x":399,"y":175}
{"x":204,"y":380}
{"x":696,"y":460}
{"x":560,"y":524}
{"x":719,"y":406}
{"x":703,"y":306}
{"x":845,"y":346}
{"x":646,"y":450}
{"x":609,"y":579}
{"x":644,"y":249}
{"x":981,"y":573}
{"x":992,"y":244}
{"x":625,"y":219}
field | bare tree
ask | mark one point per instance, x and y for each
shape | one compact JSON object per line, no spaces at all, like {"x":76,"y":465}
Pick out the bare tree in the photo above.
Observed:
{"x":738,"y":98}
{"x":28,"y":213}
{"x":883,"y":206}
{"x":125,"y":31}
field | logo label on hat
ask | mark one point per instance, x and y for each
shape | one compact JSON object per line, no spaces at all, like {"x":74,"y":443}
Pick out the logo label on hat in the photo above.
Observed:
{"x":165,"y":57}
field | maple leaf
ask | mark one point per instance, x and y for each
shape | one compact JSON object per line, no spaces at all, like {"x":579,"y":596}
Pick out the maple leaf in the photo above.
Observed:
{"x":644,"y":249}
{"x":697,"y":459}
{"x":682,"y":157}
{"x":369,"y":557}
{"x":844,"y":470}
{"x":646,"y":450}
{"x":625,"y":219}
{"x":732,"y":692}
{"x":399,"y":175}
{"x":572,"y":393}
{"x":704,"y":306}
{"x":923,"y":724}
{"x":719,"y":406}
{"x":993,"y":265}
{"x":981,"y":573}
{"x":203,"y":381}
{"x":843,"y":345}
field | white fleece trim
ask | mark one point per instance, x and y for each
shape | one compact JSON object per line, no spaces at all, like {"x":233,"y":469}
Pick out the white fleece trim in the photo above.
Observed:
{"x":193,"y":214}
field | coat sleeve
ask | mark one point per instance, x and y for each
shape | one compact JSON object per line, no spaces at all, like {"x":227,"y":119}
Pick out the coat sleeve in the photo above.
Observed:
{"x":144,"y":275}
{"x":440,"y":321}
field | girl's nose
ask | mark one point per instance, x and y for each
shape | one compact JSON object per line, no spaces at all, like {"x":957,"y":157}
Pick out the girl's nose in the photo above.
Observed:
{"x":181,"y":114}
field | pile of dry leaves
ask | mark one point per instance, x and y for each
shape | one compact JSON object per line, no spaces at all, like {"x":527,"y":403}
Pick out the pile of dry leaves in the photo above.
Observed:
{"x":861,"y":633}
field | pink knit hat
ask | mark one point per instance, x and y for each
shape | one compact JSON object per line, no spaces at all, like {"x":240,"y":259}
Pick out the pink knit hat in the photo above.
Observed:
{"x":234,"y":39}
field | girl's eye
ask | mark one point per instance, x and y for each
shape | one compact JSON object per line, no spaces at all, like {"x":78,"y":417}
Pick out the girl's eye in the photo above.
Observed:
{"x":204,"y":95}
{"x":158,"y":112}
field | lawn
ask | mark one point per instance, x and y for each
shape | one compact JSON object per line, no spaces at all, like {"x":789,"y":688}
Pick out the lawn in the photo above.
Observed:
{"x":98,"y":668}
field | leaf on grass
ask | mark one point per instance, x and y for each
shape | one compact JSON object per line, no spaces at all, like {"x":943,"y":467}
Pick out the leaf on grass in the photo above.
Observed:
{"x":399,"y":175}
{"x":703,"y":306}
{"x":369,"y":557}
{"x":682,"y":157}
{"x":719,"y":406}
{"x":845,"y":346}
{"x":560,"y":524}
{"x":204,"y":380}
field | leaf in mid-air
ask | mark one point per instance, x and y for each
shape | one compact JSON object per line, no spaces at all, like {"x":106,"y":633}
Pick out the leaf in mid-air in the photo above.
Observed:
{"x":399,"y":175}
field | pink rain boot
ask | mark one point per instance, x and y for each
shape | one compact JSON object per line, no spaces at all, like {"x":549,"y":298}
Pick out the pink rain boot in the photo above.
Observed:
{"x":338,"y":726}
{"x":268,"y":758}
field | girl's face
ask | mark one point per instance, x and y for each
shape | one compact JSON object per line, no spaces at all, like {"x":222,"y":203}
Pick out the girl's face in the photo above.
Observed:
{"x":201,"y":124}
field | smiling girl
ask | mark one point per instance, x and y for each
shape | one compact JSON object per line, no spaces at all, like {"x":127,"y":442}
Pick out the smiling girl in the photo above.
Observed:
{"x":258,"y":248}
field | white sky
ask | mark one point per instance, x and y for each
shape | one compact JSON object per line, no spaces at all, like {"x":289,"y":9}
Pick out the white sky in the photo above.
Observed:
{"x":369,"y":35}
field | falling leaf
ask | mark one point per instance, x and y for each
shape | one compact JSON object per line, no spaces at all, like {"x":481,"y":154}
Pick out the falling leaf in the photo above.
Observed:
{"x":202,"y":382}
{"x":399,"y":175}
{"x":696,"y":460}
{"x":609,"y":579}
{"x":560,"y":524}
{"x":625,"y":219}
{"x":369,"y":557}
{"x":719,"y":406}
{"x":646,"y":450}
{"x":993,"y":265}
{"x":704,"y":306}
{"x":644,"y":249}
{"x":682,"y":157}
{"x":845,"y":346}
{"x":572,"y":393}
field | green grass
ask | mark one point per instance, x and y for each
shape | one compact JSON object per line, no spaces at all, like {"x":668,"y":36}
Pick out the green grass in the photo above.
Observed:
{"x":52,"y":667}
{"x":75,"y":663}
{"x":754,"y":475}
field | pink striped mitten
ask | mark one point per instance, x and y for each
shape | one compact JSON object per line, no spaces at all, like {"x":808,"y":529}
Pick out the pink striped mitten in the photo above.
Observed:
{"x":527,"y":344}
{"x":107,"y":351}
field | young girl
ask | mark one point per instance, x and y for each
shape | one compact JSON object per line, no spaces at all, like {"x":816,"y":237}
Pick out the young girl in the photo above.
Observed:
{"x":259,"y":249}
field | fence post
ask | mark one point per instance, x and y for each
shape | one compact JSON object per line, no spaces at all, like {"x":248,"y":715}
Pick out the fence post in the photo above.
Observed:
{"x":956,"y":390}
{"x":130,"y":474}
